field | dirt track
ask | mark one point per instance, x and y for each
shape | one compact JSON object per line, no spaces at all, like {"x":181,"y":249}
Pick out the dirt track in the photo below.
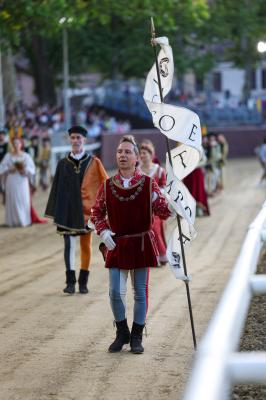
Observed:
{"x":53,"y":346}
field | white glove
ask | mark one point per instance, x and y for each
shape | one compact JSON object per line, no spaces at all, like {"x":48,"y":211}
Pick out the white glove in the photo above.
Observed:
{"x":106,"y":236}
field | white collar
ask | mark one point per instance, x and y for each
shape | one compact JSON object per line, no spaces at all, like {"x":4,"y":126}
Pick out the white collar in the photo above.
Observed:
{"x":126,"y":181}
{"x":77,"y":156}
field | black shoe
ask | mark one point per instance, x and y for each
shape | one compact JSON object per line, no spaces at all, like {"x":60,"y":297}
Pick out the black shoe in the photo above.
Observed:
{"x":70,"y":281}
{"x":122,"y":337}
{"x":83,"y":281}
{"x":136,"y":338}
{"x":70,"y":288}
{"x":83,"y":289}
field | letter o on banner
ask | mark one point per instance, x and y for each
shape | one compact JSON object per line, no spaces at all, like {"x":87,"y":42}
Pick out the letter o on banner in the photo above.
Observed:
{"x":166,"y":123}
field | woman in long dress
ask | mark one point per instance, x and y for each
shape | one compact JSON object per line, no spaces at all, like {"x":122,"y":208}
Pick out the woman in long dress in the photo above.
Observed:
{"x":155,"y":171}
{"x":17,"y":167}
{"x":195,"y":184}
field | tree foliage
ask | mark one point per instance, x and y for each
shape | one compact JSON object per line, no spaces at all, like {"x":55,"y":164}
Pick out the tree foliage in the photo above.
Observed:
{"x":113,"y":36}
{"x":242,"y":24}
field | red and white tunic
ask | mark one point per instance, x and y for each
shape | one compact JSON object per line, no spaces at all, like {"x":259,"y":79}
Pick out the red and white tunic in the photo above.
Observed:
{"x":128,"y":211}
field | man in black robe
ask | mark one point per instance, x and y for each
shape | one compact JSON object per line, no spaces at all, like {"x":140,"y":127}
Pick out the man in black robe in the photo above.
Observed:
{"x":76,"y":182}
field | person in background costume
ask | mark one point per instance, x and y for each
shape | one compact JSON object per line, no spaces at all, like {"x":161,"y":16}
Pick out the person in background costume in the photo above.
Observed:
{"x":224,"y":148}
{"x":154,"y":171}
{"x":195,"y":184}
{"x":122,"y":215}
{"x":3,"y":144}
{"x":76,"y":182}
{"x":44,"y":163}
{"x":261,"y":153}
{"x":155,"y":159}
{"x":34,"y":148}
{"x":16,"y":169}
{"x":212,"y":167}
{"x":3,"y":151}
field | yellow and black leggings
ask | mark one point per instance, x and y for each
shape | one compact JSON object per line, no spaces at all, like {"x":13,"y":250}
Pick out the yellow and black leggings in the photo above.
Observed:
{"x":70,"y":250}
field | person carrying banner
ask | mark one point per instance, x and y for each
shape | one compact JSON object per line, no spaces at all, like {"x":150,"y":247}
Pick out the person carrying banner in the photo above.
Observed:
{"x":155,"y":171}
{"x":122,"y":215}
{"x":76,"y":182}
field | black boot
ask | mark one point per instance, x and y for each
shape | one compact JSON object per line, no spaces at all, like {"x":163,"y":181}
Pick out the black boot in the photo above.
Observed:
{"x":70,"y":281}
{"x":83,"y":280}
{"x":136,"y":338}
{"x":122,"y":337}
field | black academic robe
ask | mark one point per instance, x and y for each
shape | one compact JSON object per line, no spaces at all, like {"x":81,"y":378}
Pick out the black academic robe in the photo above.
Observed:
{"x":65,"y":203}
{"x":3,"y":150}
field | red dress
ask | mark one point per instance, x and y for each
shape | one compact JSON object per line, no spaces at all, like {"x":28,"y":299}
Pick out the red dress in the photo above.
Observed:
{"x":35,"y":219}
{"x":195,"y":184}
{"x":130,"y":219}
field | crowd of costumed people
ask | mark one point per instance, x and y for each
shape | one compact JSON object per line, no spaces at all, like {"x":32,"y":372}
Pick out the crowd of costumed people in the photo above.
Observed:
{"x":27,"y":136}
{"x":43,"y":121}
{"x":208,"y":179}
{"x":28,"y":158}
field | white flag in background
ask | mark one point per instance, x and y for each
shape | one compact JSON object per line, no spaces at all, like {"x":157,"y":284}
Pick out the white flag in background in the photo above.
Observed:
{"x":182,"y":126}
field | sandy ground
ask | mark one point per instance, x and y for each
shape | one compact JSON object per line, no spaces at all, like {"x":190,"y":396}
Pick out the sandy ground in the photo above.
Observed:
{"x":54,"y":346}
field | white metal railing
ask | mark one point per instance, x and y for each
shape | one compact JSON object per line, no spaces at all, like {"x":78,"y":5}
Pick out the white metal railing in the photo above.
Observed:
{"x":218,"y":365}
{"x":59,"y":152}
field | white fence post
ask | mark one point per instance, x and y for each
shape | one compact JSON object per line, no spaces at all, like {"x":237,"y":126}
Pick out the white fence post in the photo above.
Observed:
{"x":217,"y":365}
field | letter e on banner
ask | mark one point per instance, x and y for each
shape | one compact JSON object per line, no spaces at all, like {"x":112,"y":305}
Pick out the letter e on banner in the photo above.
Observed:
{"x":193,"y":132}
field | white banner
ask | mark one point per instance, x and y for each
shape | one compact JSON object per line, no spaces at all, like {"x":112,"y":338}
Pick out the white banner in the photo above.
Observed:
{"x":182,"y":126}
{"x":166,"y":68}
{"x":177,"y":123}
{"x":185,"y":160}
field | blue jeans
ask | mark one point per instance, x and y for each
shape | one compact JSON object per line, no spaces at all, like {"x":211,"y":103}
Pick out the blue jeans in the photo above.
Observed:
{"x":118,"y":289}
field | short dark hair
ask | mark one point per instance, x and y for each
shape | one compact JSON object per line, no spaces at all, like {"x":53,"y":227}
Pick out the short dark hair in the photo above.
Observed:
{"x":130,"y":139}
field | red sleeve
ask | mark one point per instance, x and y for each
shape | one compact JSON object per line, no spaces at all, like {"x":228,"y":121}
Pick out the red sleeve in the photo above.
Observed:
{"x":159,"y":206}
{"x":98,"y":211}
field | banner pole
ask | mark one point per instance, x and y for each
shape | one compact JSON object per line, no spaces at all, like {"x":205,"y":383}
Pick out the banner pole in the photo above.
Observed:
{"x":177,"y":216}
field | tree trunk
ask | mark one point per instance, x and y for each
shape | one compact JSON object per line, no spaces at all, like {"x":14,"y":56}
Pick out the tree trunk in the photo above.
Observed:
{"x":9,"y":81}
{"x":42,"y":71}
